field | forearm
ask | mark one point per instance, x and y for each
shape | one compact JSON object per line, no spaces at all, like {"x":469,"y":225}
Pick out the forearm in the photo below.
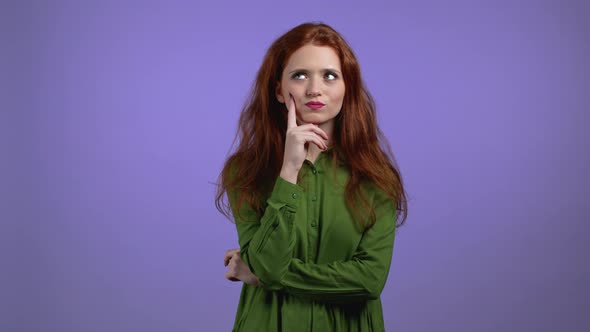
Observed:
{"x":268,"y":256}
{"x":266,"y":245}
{"x":347,"y":281}
{"x":362,"y":277}
{"x":289,"y":174}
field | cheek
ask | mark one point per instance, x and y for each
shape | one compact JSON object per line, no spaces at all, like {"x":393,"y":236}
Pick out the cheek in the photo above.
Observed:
{"x":297,"y":90}
{"x":339,"y":94}
{"x":284,"y":88}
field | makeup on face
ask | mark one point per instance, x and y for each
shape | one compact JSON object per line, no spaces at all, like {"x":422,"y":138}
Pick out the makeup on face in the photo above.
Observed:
{"x":313,"y":76}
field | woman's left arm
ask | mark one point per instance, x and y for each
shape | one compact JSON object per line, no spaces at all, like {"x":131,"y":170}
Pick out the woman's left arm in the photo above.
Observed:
{"x":361,"y":278}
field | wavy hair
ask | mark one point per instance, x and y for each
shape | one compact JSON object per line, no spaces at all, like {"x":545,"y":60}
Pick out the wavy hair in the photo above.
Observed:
{"x":357,"y":139}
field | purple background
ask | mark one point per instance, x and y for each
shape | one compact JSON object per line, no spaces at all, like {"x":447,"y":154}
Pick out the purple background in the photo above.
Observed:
{"x":116,"y":119}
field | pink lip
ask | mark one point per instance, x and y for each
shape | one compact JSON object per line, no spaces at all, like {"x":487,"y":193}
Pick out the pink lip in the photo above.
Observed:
{"x":314,"y":105}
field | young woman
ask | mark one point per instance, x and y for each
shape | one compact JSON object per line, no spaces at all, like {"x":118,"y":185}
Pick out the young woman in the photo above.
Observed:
{"x":313,"y":191}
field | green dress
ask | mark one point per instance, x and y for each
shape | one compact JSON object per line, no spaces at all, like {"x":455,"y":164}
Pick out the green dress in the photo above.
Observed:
{"x":318,"y":270}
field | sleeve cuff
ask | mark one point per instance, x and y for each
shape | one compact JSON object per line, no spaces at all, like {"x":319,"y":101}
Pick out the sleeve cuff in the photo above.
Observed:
{"x":287,"y":193}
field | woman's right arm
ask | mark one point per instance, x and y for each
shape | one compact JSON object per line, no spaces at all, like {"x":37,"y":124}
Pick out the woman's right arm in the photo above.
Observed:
{"x":266,"y":243}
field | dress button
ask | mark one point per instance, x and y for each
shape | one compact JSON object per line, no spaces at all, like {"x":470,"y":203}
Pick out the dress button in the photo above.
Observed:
{"x":314,"y":223}
{"x":294,"y":195}
{"x":314,"y":198}
{"x":314,"y":171}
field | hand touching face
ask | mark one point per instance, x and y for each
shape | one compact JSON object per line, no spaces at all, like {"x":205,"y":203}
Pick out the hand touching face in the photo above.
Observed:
{"x":298,"y":138}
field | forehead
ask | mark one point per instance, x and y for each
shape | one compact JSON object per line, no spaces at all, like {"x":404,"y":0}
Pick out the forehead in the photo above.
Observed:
{"x":314,"y":57}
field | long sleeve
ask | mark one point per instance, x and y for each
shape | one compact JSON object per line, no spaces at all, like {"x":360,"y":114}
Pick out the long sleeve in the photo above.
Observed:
{"x":318,"y":270}
{"x":361,"y":278}
{"x":266,"y":243}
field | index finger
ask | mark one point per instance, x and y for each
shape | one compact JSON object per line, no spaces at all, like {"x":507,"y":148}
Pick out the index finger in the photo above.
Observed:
{"x":291,"y":116}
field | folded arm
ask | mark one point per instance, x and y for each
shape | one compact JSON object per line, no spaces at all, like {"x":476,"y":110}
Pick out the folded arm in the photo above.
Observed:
{"x":266,"y":247}
{"x":266,"y":243}
{"x":361,"y":278}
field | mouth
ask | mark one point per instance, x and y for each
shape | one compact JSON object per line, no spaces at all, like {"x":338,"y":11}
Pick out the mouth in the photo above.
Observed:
{"x":314,"y":105}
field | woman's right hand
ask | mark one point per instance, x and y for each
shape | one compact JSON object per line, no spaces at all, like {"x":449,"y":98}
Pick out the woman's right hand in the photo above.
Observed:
{"x":297,"y":139}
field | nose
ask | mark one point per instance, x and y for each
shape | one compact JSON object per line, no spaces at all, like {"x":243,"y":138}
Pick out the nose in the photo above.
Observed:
{"x":313,"y":88}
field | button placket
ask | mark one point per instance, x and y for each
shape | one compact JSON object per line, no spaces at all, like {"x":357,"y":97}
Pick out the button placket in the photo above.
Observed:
{"x":312,"y":233}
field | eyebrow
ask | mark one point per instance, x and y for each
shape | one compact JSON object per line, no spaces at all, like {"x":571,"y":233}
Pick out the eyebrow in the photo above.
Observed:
{"x":323,"y":70}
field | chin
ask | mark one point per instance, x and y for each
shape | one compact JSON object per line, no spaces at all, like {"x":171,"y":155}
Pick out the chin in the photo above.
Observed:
{"x":316,"y":118}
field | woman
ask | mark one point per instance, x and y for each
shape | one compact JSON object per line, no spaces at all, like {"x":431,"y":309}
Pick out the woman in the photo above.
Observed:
{"x":313,"y":193}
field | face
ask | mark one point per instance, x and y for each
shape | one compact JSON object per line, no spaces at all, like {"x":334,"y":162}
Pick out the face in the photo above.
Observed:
{"x":314,"y":77}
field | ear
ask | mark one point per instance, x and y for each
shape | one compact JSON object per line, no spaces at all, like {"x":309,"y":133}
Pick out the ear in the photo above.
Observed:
{"x":278,"y":93}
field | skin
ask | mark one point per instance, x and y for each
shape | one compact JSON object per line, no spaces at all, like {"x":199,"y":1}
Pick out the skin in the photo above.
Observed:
{"x":312,"y":73}
{"x":237,"y":270}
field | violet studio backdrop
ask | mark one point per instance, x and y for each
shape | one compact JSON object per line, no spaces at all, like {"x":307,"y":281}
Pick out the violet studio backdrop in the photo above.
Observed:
{"x":121,"y":115}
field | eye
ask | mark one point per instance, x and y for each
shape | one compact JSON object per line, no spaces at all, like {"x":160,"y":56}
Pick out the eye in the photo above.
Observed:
{"x":298,"y":76}
{"x":330,"y":76}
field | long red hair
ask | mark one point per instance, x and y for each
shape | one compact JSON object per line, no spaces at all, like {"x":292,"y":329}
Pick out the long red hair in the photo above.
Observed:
{"x":357,"y":139}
